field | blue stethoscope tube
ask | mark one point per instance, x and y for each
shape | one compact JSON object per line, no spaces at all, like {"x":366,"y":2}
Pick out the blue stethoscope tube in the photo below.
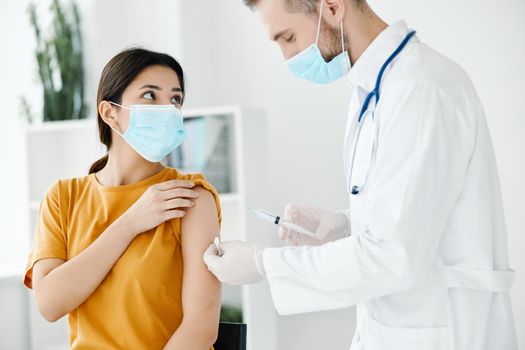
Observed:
{"x":355,"y":190}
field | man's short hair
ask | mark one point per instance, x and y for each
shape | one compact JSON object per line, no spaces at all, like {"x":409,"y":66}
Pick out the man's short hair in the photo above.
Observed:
{"x":307,"y":6}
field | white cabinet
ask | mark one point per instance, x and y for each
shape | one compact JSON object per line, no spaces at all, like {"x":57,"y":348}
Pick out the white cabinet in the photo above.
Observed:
{"x":227,"y":144}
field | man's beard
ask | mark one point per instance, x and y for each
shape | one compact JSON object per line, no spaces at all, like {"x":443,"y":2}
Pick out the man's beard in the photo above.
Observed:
{"x":333,"y":38}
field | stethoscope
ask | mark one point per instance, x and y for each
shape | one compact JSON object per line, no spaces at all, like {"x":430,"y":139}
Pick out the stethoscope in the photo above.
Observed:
{"x":363,"y":114}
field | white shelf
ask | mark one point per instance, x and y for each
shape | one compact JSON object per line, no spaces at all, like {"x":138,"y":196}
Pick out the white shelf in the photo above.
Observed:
{"x":62,"y":125}
{"x":212,"y":111}
{"x":59,"y":150}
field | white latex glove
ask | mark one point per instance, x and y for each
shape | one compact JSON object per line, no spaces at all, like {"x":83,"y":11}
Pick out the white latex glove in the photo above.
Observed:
{"x":240,"y":263}
{"x":327,"y":226}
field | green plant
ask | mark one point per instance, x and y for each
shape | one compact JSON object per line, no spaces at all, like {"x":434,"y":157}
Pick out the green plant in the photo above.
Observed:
{"x":60,"y":64}
{"x":230,"y":314}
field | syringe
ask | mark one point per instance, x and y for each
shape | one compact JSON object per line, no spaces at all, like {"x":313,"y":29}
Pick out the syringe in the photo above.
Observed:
{"x":277,"y":220}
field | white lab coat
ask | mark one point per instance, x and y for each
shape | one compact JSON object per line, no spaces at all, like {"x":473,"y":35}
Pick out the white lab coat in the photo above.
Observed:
{"x":426,"y":262}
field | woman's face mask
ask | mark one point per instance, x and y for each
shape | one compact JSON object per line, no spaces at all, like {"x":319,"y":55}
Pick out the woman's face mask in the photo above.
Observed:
{"x":154,"y":131}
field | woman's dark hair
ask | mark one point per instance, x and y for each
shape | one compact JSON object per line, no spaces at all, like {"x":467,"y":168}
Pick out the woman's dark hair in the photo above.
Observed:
{"x":118,"y":73}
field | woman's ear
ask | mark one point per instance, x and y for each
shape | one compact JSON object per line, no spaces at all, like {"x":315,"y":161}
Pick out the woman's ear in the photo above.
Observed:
{"x":107,"y":113}
{"x":334,"y":11}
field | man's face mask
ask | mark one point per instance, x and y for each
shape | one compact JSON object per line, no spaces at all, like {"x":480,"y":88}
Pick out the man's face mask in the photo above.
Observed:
{"x":311,"y":65}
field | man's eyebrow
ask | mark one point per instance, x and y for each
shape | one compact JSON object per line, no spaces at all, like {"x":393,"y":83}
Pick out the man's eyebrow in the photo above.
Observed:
{"x":176,"y":89}
{"x":277,"y":35}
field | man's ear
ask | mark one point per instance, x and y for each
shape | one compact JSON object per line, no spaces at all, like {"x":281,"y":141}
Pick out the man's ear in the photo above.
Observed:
{"x":107,"y":113}
{"x":334,"y":11}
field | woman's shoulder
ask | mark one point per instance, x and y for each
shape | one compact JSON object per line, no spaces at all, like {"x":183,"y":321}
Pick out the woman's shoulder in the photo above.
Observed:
{"x":68,"y":186}
{"x":197,"y":178}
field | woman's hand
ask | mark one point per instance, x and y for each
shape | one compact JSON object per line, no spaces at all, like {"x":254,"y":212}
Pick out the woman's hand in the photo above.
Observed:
{"x":161,"y":202}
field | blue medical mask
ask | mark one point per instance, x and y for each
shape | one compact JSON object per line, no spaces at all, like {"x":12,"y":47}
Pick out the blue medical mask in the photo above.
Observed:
{"x":311,"y":65}
{"x":154,"y":131}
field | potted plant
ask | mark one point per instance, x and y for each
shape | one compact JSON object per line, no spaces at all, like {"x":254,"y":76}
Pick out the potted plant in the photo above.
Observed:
{"x":60,"y":65}
{"x":230,"y":313}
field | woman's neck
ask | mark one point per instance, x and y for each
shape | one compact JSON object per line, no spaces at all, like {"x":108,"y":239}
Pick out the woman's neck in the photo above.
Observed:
{"x":126,"y":169}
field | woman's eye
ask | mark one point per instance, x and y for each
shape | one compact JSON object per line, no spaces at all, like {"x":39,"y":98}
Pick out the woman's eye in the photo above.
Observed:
{"x":290,"y":39}
{"x":176,"y":100}
{"x":149,"y":95}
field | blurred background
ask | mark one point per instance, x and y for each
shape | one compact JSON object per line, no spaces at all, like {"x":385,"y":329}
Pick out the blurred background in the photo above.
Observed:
{"x":284,"y":136}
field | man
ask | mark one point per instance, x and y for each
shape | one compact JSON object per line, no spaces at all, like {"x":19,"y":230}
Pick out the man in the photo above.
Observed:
{"x":422,"y":251}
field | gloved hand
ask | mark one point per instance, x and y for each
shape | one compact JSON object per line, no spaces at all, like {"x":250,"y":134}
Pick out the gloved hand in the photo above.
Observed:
{"x":240,"y":263}
{"x":327,"y":226}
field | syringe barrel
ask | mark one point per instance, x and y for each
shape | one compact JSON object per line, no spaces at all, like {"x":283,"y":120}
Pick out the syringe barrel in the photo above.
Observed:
{"x":265,"y":215}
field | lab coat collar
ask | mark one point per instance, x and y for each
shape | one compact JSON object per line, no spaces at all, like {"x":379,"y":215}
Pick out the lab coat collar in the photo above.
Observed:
{"x":365,"y":70}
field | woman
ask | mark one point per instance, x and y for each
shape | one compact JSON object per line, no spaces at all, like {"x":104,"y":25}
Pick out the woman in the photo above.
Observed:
{"x":109,"y":248}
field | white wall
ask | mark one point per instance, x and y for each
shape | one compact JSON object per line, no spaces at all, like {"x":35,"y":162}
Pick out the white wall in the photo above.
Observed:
{"x":15,"y":82}
{"x":117,"y":25}
{"x":229,"y":60}
{"x":17,"y":78}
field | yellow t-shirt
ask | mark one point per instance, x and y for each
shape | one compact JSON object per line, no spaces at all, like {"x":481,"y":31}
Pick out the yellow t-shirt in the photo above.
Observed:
{"x":138,"y":305}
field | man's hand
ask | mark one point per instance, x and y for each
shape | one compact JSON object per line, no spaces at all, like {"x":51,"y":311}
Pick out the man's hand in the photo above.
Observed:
{"x":240,"y":263}
{"x":327,"y":226}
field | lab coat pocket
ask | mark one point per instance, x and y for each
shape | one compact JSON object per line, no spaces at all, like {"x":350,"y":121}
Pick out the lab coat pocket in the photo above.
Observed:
{"x":380,"y":337}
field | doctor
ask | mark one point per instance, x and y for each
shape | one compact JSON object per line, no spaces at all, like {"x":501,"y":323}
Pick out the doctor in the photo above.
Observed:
{"x":422,"y":249}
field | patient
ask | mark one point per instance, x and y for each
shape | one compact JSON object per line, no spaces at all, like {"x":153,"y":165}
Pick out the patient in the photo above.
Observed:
{"x":109,"y":248}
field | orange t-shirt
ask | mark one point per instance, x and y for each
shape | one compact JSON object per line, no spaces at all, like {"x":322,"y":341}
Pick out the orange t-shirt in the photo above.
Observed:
{"x":138,"y":305}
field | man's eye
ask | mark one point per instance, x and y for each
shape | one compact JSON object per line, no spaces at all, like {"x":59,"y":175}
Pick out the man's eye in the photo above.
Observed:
{"x":149,"y":95}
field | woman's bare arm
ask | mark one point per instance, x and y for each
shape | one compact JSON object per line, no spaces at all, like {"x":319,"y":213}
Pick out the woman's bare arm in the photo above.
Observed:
{"x":61,"y":286}
{"x":201,"y":291}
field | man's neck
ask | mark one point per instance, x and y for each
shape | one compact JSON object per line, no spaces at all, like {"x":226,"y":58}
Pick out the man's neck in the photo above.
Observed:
{"x":363,"y":26}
